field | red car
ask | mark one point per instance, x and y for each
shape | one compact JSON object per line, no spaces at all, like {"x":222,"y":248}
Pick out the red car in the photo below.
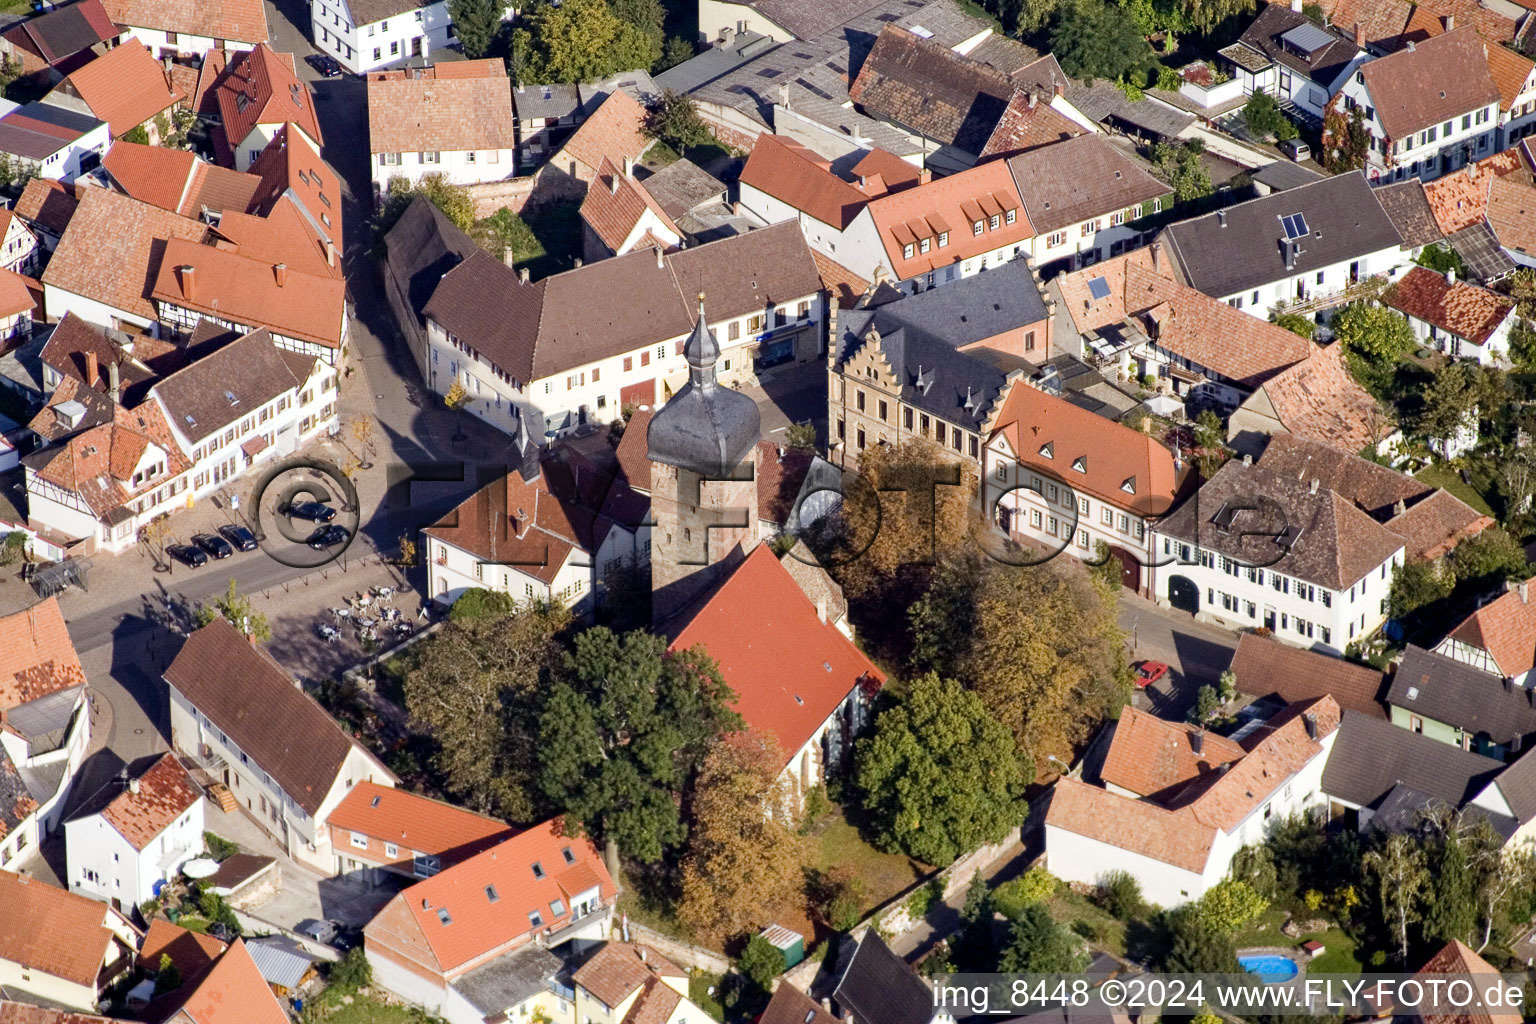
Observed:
{"x":1148,"y":672}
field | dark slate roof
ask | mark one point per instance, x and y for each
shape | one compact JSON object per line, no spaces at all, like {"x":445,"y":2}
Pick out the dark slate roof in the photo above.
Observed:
{"x":682,"y":186}
{"x":67,"y":30}
{"x":1437,"y":687}
{"x":16,"y":803}
{"x":530,"y":101}
{"x":1517,"y":784}
{"x":877,"y":985}
{"x":509,"y":979}
{"x":714,"y":63}
{"x":1478,"y":247}
{"x":1404,"y":808}
{"x":927,"y":87}
{"x":1344,"y":217}
{"x":1283,"y":174}
{"x":422,"y":247}
{"x":808,"y":19}
{"x":39,"y":130}
{"x":705,"y":427}
{"x":1266,"y":667}
{"x":1408,"y":206}
{"x":1371,"y":756}
{"x":1322,"y":65}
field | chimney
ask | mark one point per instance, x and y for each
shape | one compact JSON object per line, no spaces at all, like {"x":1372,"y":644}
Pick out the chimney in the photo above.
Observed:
{"x":1531,"y":696}
{"x":821,"y":608}
{"x":784,"y":95}
{"x":741,"y":28}
{"x":613,"y":184}
{"x":1157,"y":250}
{"x":92,"y":368}
{"x":1311,"y":722}
{"x":133,"y":786}
{"x":280,"y":271}
{"x":1296,"y":6}
{"x":1031,"y":99}
{"x":1247,"y":460}
{"x":330,"y":253}
{"x":661,"y":264}
{"x":523,"y":275}
{"x":1060,"y":88}
{"x":1197,"y":741}
{"x":576,"y":263}
{"x":1450,"y":275}
{"x":642,"y":954}
{"x":1411,"y":46}
{"x":1290,"y":253}
{"x":629,"y":167}
{"x":1312,"y":487}
{"x":1359,"y":36}
{"x":113,"y":389}
{"x":506,"y":256}
{"x":1221,"y":217}
{"x":1450,"y":22}
{"x":188,"y":280}
{"x":924,"y":176}
{"x":1525,"y":591}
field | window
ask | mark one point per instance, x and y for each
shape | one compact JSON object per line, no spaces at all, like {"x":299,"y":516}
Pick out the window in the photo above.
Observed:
{"x":375,"y":49}
{"x":1117,"y":218}
{"x":538,"y":871}
{"x":595,"y":371}
{"x":645,"y":358}
{"x":1029,"y":341}
{"x":394,"y":48}
{"x":391,"y":850}
{"x":992,"y":222}
{"x":557,"y":907}
{"x":976,"y":228}
{"x":943,"y":239}
{"x":1010,"y":216}
{"x":1059,"y":238}
{"x":170,"y":37}
{"x":535,"y":919}
{"x":924,"y":244}
{"x":469,"y":157}
{"x":359,"y":840}
{"x":754,"y":323}
{"x":661,"y":351}
{"x":491,"y":894}
{"x":883,"y":410}
{"x":734,"y":331}
{"x":442,"y":916}
{"x":1109,"y":515}
{"x":858,"y":400}
{"x":907,"y":251}
{"x":803,"y":311}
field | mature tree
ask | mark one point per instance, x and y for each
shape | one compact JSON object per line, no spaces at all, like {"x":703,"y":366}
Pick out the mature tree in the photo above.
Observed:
{"x":1346,"y":140}
{"x":1230,"y":904}
{"x":474,"y":690}
{"x":1522,"y":344}
{"x":1255,"y":865}
{"x":1451,"y":401}
{"x":1441,"y":258}
{"x":1197,"y":948}
{"x":1120,"y":895}
{"x":1452,"y":910}
{"x":1374,"y":331}
{"x":1398,"y":867}
{"x":167,"y":975}
{"x":998,"y":629}
{"x":1517,"y":482}
{"x":648,"y":16}
{"x":761,"y":962}
{"x":578,"y":41}
{"x":1417,"y":584}
{"x":475,"y":24}
{"x":675,"y":51}
{"x":1488,"y":560}
{"x":1038,"y":945}
{"x":623,"y":733}
{"x":1296,"y":324}
{"x":745,"y":856}
{"x":1502,"y":881}
{"x":1012,"y":897}
{"x":801,"y":436}
{"x":1205,"y":15}
{"x":675,"y":120}
{"x":454,"y":200}
{"x":939,"y":774}
{"x":236,"y":609}
{"x":973,"y":948}
{"x":1097,"y":40}
{"x":1181,"y":168}
{"x":1263,"y":117}
{"x":480,"y":603}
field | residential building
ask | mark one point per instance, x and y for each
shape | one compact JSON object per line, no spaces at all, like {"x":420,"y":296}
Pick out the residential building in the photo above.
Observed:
{"x":1462,"y":320}
{"x":1294,"y":59}
{"x":697,"y":202}
{"x":51,"y":45}
{"x":233,"y":986}
{"x":368,"y":34}
{"x":789,"y":1005}
{"x":932,"y":364}
{"x":1482,"y":211}
{"x":289,"y":780}
{"x":46,"y":728}
{"x":257,"y":94}
{"x":17,"y":306}
{"x":625,"y":981}
{"x":62,"y":949}
{"x":1060,"y":478}
{"x":1380,"y":776}
{"x":291,"y":169}
{"x":796,"y":676}
{"x":1458,"y":960}
{"x":378,"y":830}
{"x":1318,"y":400}
{"x":1430,"y":108}
{"x":125,"y":87}
{"x":46,"y":206}
{"x":1387,"y":26}
{"x":780,"y":20}
{"x":87,"y":353}
{"x":1178,"y":840}
{"x":1129,"y":317}
{"x":442,"y":941}
{"x":135,"y":833}
{"x":1515,"y":75}
{"x":1086,"y":200}
{"x":18,"y":245}
{"x":1407,"y":203}
{"x":418,"y":251}
{"x":783,"y":180}
{"x":178,"y":180}
{"x":618,"y":216}
{"x":193,"y":953}
{"x":1282,"y":248}
{"x":190,"y":28}
{"x":1305,"y":542}
{"x":877,"y":985}
{"x":31,"y":1013}
{"x":615,"y":131}
{"x":542,"y":116}
{"x":452,"y":119}
{"x":1266,"y":668}
{"x":53,"y":141}
{"x":579,"y":346}
{"x":1453,"y":702}
{"x":1498,"y":638}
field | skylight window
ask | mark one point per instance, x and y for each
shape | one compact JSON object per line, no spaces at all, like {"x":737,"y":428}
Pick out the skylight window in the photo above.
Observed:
{"x":1047,"y":451}
{"x":1098,"y":288}
{"x":1295,"y":226}
{"x":570,"y":858}
{"x":1129,"y":487}
{"x":535,"y":918}
{"x":1080,"y":463}
{"x":538,"y":870}
{"x":491,"y":893}
{"x":374,"y":802}
{"x":557,"y":907}
{"x":442,"y":916}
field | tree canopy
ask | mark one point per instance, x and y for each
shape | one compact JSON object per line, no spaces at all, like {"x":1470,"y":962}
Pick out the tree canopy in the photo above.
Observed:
{"x":578,"y":41}
{"x":940,"y":775}
{"x":1373,"y":331}
{"x":675,"y":120}
{"x":480,"y":603}
{"x":454,"y":200}
{"x":623,"y":732}
{"x":475,"y":24}
{"x":1263,"y":117}
{"x":236,"y":609}
{"x":1094,"y":40}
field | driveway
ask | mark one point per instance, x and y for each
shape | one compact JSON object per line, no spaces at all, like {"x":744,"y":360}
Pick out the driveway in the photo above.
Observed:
{"x":1196,"y":653}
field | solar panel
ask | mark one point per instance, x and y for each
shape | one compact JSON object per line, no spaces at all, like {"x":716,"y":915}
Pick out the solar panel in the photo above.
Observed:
{"x":1098,"y":288}
{"x":1295,"y":226}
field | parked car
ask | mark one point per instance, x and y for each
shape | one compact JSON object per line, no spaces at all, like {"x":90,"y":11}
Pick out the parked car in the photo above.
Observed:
{"x":188,"y":555}
{"x":321,"y":931}
{"x":346,"y":939}
{"x":1148,"y":673}
{"x":1296,"y":150}
{"x":239,"y":536}
{"x":327,"y":65}
{"x":329,"y":537}
{"x":216,"y":546}
{"x":314,"y":511}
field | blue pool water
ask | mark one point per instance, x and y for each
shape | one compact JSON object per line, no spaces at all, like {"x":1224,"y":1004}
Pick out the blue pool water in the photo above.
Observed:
{"x":1273,"y":969}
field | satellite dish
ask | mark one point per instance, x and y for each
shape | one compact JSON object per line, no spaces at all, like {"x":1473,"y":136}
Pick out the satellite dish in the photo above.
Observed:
{"x":200,"y":867}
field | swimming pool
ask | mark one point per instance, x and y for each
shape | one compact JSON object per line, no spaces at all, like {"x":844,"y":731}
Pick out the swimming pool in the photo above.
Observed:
{"x":1272,"y":969}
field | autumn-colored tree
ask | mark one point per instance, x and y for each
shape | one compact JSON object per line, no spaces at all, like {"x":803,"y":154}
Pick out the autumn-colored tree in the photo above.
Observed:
{"x":745,"y":855}
{"x":364,"y":431}
{"x":236,"y":609}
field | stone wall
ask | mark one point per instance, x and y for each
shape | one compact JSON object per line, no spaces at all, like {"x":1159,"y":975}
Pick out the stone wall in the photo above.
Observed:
{"x":684,"y":954}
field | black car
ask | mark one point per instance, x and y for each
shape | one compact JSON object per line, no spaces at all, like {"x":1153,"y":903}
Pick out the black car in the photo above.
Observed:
{"x":346,"y":939}
{"x":328,"y":536}
{"x":188,"y":555}
{"x":239,"y":536}
{"x":327,"y":65}
{"x":314,"y":511}
{"x":218,"y":547}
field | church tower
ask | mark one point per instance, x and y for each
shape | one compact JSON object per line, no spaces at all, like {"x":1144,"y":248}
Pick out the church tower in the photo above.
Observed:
{"x":703,"y":450}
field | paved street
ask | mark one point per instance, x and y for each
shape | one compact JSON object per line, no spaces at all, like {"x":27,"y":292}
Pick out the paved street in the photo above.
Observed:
{"x":1195,"y":652}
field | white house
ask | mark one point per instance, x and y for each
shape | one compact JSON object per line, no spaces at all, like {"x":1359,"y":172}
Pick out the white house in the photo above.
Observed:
{"x":1430,"y":108}
{"x":1515,"y":75}
{"x":54,"y":141}
{"x":188,"y":28}
{"x":1282,"y":249}
{"x":625,"y":981}
{"x":1499,"y":638}
{"x":48,"y":728}
{"x":368,"y":34}
{"x":135,"y":833}
{"x":1131,"y":816}
{"x":1461,"y":319}
{"x":783,"y":180}
{"x":1292,"y":58}
{"x":451,"y":119}
{"x":286,"y":780}
{"x":1304,"y":543}
{"x":18,"y":245}
{"x":61,"y":949}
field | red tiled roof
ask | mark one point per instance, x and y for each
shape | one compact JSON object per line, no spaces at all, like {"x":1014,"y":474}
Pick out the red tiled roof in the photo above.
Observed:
{"x":1266,"y":667}
{"x":1156,"y":759}
{"x":1469,"y":311}
{"x":415,"y":822}
{"x":152,"y":174}
{"x":233,"y":992}
{"x":124,"y":87}
{"x":51,"y":930}
{"x":791,"y":1006}
{"x":1319,"y":400}
{"x":789,"y":669}
{"x":98,"y":464}
{"x":1435,"y":525}
{"x":453,"y":911}
{"x":47,"y":203}
{"x":1443,"y":77}
{"x":655,"y":1005}
{"x":57,"y":36}
{"x":844,"y":285}
{"x":17,"y":294}
{"x":163,"y":793}
{"x":895,"y":172}
{"x":190,"y":951}
{"x":468,"y":108}
{"x":1506,"y":628}
{"x":1457,"y":958}
{"x":792,"y":174}
{"x":260,"y":86}
{"x":26,"y":1013}
{"x":1511,"y":72}
{"x":203,"y":96}
{"x":37,"y":655}
{"x":243,"y":21}
{"x":614,"y":131}
{"x":290,"y":167}
{"x":615,"y":203}
{"x":950,"y":206}
{"x":1029,"y":121}
{"x":617,"y":971}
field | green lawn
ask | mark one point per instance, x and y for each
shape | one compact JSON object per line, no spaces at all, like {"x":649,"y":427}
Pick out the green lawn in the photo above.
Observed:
{"x":545,"y":241}
{"x":838,"y":844}
{"x":699,"y":984}
{"x":1441,"y":475}
{"x":370,"y":1010}
{"x":1339,"y":956}
{"x":1084,"y":918}
{"x":15,"y":6}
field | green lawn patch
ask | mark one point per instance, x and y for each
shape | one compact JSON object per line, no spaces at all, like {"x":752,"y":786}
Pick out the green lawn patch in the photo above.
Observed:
{"x":838,"y":844}
{"x":1084,"y":918}
{"x":699,"y":984}
{"x":545,"y":241}
{"x":15,"y":6}
{"x":1477,"y":495}
{"x":659,"y":155}
{"x":368,"y":1009}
